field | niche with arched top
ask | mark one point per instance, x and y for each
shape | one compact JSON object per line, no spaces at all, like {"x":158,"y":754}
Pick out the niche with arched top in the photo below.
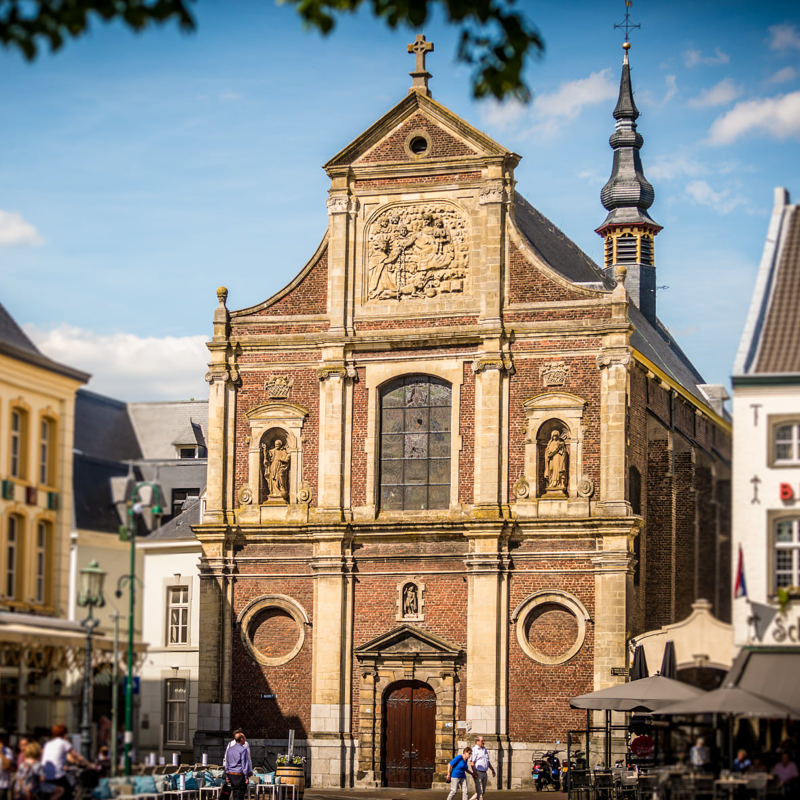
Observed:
{"x":552,"y":448}
{"x":276,"y":461}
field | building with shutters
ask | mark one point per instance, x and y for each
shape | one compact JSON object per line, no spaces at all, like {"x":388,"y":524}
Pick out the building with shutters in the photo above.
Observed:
{"x":453,"y":466}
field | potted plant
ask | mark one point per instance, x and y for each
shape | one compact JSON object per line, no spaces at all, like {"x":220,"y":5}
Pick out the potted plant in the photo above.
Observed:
{"x":291,"y":769}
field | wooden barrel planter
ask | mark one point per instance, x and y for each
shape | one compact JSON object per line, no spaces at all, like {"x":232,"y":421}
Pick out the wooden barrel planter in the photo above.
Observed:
{"x":293,"y":774}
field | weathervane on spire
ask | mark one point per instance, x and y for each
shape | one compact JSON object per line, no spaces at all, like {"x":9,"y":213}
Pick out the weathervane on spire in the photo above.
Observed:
{"x":627,"y":24}
{"x":420,"y":48}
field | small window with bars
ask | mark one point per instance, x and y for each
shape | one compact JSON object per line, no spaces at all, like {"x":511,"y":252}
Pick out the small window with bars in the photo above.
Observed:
{"x":178,"y":615}
{"x":786,"y":443}
{"x":786,"y":569}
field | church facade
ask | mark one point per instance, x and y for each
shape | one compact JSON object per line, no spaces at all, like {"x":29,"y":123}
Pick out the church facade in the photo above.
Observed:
{"x":453,"y":466}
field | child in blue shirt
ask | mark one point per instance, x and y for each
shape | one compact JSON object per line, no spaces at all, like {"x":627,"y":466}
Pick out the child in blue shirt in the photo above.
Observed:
{"x":457,"y":773}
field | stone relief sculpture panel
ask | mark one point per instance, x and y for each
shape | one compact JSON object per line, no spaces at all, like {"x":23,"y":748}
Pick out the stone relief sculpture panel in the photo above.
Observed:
{"x":417,"y":251}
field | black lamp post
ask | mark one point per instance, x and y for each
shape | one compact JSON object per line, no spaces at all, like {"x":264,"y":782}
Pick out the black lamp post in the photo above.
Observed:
{"x":135,"y":501}
{"x":89,"y":596}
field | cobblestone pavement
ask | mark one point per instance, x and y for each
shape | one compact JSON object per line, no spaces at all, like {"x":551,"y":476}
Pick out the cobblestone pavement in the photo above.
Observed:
{"x":423,"y":794}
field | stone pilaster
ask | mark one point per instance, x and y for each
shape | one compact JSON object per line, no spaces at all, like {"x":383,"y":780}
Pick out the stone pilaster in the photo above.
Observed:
{"x":492,"y":209}
{"x":331,"y":744}
{"x":335,"y":403}
{"x":341,"y":239}
{"x":222,"y":377}
{"x":487,"y":637}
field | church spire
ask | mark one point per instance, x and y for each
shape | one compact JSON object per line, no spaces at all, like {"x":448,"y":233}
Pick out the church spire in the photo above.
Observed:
{"x":628,"y":229}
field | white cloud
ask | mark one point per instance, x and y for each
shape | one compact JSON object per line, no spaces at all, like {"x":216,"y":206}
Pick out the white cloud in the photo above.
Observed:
{"x":672,"y":88}
{"x":724,"y":202}
{"x":693,"y":58}
{"x":783,"y":75}
{"x":16,"y":230}
{"x":666,"y":169}
{"x":130,"y":367}
{"x":726,"y":91}
{"x":784,"y":37}
{"x":550,"y":110}
{"x":503,"y":115}
{"x":231,"y":96}
{"x":778,"y":117}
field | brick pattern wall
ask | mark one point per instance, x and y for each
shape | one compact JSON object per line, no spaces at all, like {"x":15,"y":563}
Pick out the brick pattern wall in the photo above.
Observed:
{"x":392,"y":148}
{"x":541,"y":692}
{"x":289,"y":682}
{"x":658,"y":535}
{"x":466,"y":464}
{"x":528,"y":284}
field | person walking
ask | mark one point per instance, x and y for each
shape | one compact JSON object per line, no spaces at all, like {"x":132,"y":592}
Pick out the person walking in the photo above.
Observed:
{"x":7,"y":765}
{"x":238,"y":766}
{"x":480,"y":763}
{"x":457,"y":773}
{"x":29,"y":782}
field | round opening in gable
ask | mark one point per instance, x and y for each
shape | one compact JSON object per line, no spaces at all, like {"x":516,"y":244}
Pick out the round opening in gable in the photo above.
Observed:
{"x":551,"y":630}
{"x":418,"y":145}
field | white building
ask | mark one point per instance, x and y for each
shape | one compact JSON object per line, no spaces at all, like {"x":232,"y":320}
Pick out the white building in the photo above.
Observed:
{"x":766,"y":469}
{"x":171,"y":610}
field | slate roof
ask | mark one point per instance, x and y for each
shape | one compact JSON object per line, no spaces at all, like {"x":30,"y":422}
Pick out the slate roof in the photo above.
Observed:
{"x":770,"y":343}
{"x":15,"y":343}
{"x":103,"y":428}
{"x":555,"y":249}
{"x":93,"y":505}
{"x":160,"y":426}
{"x":179,"y":528}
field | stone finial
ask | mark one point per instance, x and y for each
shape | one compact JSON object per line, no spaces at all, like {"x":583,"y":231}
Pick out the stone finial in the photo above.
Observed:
{"x":420,"y":75}
{"x":222,"y":295}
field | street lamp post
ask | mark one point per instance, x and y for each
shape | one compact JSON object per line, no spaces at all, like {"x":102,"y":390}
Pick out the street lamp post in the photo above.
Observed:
{"x":89,"y":596}
{"x":141,"y":500}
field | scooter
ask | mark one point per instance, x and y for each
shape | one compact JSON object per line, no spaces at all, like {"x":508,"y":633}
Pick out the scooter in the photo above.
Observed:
{"x":577,"y":762}
{"x":546,"y":771}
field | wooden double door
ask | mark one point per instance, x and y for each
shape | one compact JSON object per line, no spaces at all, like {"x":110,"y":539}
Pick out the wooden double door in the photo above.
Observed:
{"x":409,"y":735}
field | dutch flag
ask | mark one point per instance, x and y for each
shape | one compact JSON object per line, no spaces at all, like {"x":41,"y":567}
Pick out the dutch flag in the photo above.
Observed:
{"x":740,"y":589}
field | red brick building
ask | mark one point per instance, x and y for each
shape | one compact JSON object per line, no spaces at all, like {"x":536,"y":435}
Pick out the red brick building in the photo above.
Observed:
{"x":453,"y":466}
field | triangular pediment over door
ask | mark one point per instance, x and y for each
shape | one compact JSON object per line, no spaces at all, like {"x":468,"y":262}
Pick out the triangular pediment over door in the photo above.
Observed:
{"x":408,"y":641}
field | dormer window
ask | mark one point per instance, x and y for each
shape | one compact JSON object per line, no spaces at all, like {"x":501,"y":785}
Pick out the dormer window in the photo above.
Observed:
{"x":187,"y":452}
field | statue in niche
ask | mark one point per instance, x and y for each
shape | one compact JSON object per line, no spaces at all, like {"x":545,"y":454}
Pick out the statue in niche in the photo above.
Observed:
{"x":276,"y":469}
{"x":410,"y":601}
{"x":555,"y":464}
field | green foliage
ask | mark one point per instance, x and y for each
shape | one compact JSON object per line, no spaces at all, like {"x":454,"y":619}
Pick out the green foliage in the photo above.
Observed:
{"x":27,"y":24}
{"x":495,"y":39}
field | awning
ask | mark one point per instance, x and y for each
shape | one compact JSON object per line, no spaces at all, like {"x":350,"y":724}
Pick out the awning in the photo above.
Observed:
{"x":770,"y":672}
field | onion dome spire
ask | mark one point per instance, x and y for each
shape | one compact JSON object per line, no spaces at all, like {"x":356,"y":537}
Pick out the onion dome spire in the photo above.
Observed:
{"x":628,"y":229}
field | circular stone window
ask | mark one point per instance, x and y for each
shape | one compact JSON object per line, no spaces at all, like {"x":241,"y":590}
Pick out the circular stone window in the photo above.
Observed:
{"x":272,"y":628}
{"x":418,"y":143}
{"x":551,"y":626}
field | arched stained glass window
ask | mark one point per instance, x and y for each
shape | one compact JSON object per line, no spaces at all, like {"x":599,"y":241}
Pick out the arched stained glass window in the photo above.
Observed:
{"x":415,"y":444}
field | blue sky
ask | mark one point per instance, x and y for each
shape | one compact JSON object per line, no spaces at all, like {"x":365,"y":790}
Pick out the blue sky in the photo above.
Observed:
{"x":138,"y":173}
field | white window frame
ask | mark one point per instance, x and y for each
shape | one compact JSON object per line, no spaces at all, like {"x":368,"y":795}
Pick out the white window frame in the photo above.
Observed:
{"x":183,"y":607}
{"x":793,"y":441}
{"x":179,"y":707}
{"x":792,"y":547}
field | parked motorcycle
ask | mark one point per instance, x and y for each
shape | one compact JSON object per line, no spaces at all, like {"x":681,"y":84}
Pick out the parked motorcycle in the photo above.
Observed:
{"x":546,"y":771}
{"x":577,"y":762}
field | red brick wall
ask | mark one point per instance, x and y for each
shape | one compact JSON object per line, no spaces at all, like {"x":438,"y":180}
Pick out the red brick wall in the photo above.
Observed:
{"x":392,"y":148}
{"x":659,"y":566}
{"x":539,"y":709}
{"x":527,"y":284}
{"x":310,"y":296}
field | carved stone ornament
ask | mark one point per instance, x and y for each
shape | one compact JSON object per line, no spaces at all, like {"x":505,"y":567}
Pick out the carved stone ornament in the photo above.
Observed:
{"x":417,"y":251}
{"x":245,"y":496}
{"x":554,"y":374}
{"x":492,"y":192}
{"x":521,"y":488}
{"x":585,"y":487}
{"x":304,"y":493}
{"x":338,"y":204}
{"x":278,"y":387}
{"x":605,"y":360}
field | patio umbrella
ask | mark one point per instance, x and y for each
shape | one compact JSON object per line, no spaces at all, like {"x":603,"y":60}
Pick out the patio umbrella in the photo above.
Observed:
{"x":730,"y":700}
{"x":645,"y":694}
{"x":639,"y":668}
{"x":669,"y":667}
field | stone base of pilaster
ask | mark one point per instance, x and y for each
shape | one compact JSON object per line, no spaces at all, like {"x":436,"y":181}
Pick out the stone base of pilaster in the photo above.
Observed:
{"x":333,"y":759}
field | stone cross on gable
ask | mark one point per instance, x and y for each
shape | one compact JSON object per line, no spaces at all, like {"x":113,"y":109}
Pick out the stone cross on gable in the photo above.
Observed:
{"x":420,"y":75}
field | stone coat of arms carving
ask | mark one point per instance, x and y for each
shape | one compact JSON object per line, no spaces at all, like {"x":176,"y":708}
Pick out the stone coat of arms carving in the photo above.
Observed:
{"x":417,"y":251}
